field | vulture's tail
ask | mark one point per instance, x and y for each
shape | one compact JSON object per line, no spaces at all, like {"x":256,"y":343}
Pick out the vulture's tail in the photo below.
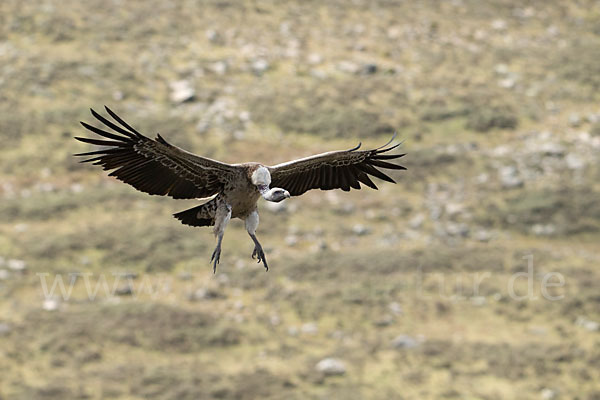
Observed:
{"x":202,"y":215}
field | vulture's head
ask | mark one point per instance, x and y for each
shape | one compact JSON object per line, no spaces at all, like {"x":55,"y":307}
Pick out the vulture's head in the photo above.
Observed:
{"x":276,"y":195}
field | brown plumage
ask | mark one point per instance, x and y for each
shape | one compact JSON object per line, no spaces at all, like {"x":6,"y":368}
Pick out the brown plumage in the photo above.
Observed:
{"x":157,"y":167}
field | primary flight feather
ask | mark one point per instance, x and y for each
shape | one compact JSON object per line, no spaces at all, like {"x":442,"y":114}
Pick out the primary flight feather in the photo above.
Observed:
{"x":157,"y":167}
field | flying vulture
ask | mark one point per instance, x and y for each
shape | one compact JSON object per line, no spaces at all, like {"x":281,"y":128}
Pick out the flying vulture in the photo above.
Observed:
{"x":157,"y":167}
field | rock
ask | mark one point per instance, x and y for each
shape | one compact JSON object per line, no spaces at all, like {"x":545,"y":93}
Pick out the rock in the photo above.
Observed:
{"x":16,"y":265}
{"x":574,"y":120}
{"x":219,"y":67}
{"x":213,"y":36}
{"x":291,"y":240}
{"x":548,"y":394}
{"x":360,"y":230}
{"x":348,"y":67}
{"x":331,"y":366}
{"x":21,"y":228}
{"x":482,"y":235}
{"x":543,"y":229}
{"x":574,"y":162}
{"x":274,"y":320}
{"x":478,"y":301}
{"x":507,"y":83}
{"x":501,"y":69}
{"x":50,"y":304}
{"x":223,"y":279}
{"x":405,"y":342}
{"x":238,"y":305}
{"x":454,"y":208}
{"x":587,"y":324}
{"x":124,"y":290}
{"x":314,"y":59}
{"x":499,"y":24}
{"x":593,"y":118}
{"x":318,"y":247}
{"x":309,"y":328}
{"x":538,"y":331}
{"x":417,"y":221}
{"x":206,"y":294}
{"x":552,"y":149}
{"x":5,"y":328}
{"x":182,"y":91}
{"x":509,"y":177}
{"x":260,"y":66}
{"x":244,"y":116}
{"x":185,"y":276}
{"x":4,"y":274}
{"x":395,"y":308}
{"x":457,"y":229}
{"x":387,"y":320}
{"x":369,"y":69}
{"x":292,"y":331}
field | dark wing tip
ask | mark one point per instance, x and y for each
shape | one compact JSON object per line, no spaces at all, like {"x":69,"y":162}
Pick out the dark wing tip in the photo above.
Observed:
{"x":160,"y":139}
{"x":389,"y":141}
{"x":357,"y":147}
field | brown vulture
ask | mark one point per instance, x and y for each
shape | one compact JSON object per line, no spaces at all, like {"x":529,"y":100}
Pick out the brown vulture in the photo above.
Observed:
{"x":157,"y":167}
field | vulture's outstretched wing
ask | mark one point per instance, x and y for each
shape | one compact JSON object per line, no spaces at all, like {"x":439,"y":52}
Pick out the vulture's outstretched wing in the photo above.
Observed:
{"x":335,"y":170}
{"x":154,"y":166}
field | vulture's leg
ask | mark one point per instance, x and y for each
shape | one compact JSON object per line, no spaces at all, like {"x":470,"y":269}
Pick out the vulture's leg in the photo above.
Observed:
{"x":251,"y":225}
{"x":222,"y":217}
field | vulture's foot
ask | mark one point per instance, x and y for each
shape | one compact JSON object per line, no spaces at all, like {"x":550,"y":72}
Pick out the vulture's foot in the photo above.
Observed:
{"x":216,"y":257}
{"x":259,"y":254}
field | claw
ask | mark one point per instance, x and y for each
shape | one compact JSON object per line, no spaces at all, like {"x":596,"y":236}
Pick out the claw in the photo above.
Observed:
{"x":216,"y":258}
{"x":259,"y":254}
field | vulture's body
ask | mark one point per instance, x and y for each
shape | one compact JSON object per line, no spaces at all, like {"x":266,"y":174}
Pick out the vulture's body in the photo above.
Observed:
{"x":159,"y":168}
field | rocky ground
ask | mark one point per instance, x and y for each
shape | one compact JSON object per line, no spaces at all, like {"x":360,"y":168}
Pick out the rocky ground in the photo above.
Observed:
{"x":476,"y":276}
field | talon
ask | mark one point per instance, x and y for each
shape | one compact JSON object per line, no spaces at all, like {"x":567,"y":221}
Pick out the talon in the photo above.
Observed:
{"x":216,"y":258}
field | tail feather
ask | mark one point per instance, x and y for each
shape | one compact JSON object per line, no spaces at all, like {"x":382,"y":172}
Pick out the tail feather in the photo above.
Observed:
{"x":202,"y":215}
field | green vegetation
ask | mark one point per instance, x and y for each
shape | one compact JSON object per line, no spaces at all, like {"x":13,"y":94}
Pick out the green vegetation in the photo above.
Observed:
{"x":409,"y":286}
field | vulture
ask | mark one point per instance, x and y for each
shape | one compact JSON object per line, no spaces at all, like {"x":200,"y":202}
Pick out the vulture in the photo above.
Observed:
{"x":156,"y":167}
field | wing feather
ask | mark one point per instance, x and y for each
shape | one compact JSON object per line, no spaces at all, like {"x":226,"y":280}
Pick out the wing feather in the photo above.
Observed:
{"x":344,"y":170}
{"x":154,"y":166}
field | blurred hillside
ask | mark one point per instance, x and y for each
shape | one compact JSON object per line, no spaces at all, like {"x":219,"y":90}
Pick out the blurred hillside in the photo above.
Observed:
{"x":401,"y":293}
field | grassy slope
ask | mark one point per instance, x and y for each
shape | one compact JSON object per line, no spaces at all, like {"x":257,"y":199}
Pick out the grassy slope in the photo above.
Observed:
{"x":470,"y":85}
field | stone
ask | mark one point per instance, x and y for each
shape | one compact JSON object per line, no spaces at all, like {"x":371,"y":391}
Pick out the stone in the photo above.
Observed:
{"x":4,"y":274}
{"x":574,"y":162}
{"x":417,"y":221}
{"x":309,"y":328}
{"x":587,"y":324}
{"x":360,"y":230}
{"x":348,"y":67}
{"x":543,"y":229}
{"x":552,"y":149}
{"x":50,"y":305}
{"x":499,"y":24}
{"x":574,"y":120}
{"x":16,"y":265}
{"x":182,"y":91}
{"x":548,"y":394}
{"x":5,"y":328}
{"x":260,"y":66}
{"x":405,"y":342}
{"x":331,"y":366}
{"x":509,"y":177}
{"x":395,"y":308}
{"x":482,"y":235}
{"x":369,"y":69}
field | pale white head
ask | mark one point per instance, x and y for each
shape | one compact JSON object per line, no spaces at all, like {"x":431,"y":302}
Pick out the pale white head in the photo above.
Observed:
{"x":261,"y":178}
